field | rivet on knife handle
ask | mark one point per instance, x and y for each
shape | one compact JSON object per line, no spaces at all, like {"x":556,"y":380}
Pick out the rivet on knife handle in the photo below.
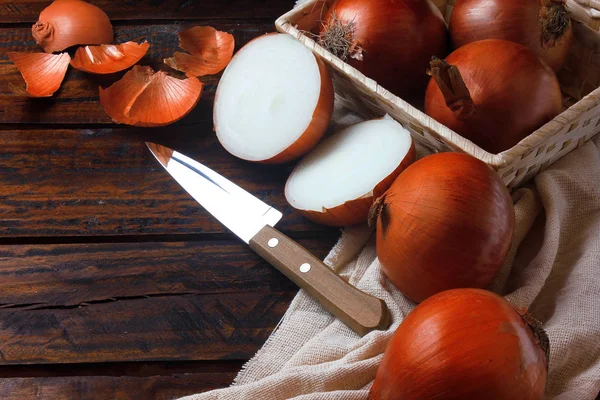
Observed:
{"x":360,"y":311}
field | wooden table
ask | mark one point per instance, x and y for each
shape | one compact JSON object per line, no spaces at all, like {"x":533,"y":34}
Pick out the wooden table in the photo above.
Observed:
{"x":114,"y":282}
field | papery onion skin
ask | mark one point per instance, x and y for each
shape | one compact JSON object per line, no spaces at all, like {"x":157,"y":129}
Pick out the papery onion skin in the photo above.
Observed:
{"x":145,"y":98}
{"x":66,"y":23}
{"x":209,"y":50}
{"x":108,"y":58}
{"x":356,"y":211}
{"x":43,"y":73}
{"x":446,"y":222}
{"x":514,"y":93}
{"x":317,"y":127}
{"x":520,"y":21}
{"x":397,"y":39}
{"x":464,"y":344}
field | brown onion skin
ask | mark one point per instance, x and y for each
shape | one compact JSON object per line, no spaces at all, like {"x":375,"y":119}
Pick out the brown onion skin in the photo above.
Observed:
{"x":446,"y":222}
{"x":356,"y":211}
{"x":66,"y":23}
{"x":513,"y":91}
{"x":463,"y":344}
{"x":398,"y":39}
{"x":514,"y":20}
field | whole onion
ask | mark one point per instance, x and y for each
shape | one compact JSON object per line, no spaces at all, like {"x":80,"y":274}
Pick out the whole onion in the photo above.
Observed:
{"x":388,"y":41}
{"x":464,"y":344}
{"x":542,"y":25}
{"x":493,"y":92}
{"x":446,"y":222}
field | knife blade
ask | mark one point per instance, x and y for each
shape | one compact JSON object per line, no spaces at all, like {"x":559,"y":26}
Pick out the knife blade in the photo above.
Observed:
{"x":253,"y":221}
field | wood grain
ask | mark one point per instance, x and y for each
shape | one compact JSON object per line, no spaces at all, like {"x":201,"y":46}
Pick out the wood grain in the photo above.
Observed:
{"x":28,"y":10}
{"x":111,"y":387}
{"x":77,"y":101}
{"x":98,"y":182}
{"x":138,"y":301}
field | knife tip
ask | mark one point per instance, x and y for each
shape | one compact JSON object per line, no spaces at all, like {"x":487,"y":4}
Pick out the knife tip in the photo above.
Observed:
{"x":163,"y":154}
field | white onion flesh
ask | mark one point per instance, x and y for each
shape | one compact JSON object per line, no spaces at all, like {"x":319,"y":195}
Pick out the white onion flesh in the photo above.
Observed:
{"x":267,"y":97}
{"x":348,"y":165}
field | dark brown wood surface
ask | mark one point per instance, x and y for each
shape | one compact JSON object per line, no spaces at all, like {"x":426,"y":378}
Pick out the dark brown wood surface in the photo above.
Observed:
{"x":114,"y":283}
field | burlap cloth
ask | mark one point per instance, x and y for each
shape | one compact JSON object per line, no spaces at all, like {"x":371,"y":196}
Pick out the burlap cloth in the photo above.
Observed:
{"x":553,"y":269}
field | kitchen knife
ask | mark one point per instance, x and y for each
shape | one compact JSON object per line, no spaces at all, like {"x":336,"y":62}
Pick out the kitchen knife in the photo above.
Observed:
{"x":253,"y":221}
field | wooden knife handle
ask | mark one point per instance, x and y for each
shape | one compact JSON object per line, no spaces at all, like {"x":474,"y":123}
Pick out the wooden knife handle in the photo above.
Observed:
{"x":360,"y":311}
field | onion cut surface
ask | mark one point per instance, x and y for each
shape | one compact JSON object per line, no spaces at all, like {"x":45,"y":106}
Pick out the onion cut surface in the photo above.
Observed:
{"x":145,"y":98}
{"x":108,"y":58}
{"x":336,"y":183}
{"x":274,"y":100}
{"x":43,"y":73}
{"x":209,"y":51}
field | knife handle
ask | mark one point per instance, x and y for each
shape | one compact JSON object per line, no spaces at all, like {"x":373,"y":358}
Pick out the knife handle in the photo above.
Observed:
{"x":360,"y":311}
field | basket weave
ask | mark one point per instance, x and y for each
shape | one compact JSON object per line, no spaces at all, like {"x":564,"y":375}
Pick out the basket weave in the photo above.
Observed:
{"x":587,"y":11}
{"x":579,"y":122}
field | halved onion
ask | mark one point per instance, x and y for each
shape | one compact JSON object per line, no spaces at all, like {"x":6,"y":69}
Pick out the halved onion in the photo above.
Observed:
{"x":274,"y":100}
{"x":108,"y":58}
{"x":337,"y":182}
{"x":147,"y":98}
{"x":66,"y":23}
{"x":43,"y":73}
{"x":209,"y":51}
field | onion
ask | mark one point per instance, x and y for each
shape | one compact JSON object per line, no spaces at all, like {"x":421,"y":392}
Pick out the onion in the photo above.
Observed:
{"x":542,"y":25}
{"x":464,"y":344}
{"x":335,"y":184}
{"x":145,"y":98}
{"x":274,"y":100}
{"x":209,"y":50}
{"x":493,"y":92}
{"x":43,"y":73}
{"x":108,"y":58}
{"x":446,"y":222}
{"x":389,"y":41}
{"x":66,"y":23}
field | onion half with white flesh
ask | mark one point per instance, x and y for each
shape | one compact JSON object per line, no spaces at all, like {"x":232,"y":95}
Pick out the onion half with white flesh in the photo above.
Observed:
{"x":337,"y":182}
{"x":274,"y":101}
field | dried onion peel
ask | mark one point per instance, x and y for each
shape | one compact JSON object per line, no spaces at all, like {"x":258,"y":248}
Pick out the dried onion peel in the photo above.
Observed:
{"x":43,"y":73}
{"x":329,"y":186}
{"x":209,"y":51}
{"x":147,"y":98}
{"x":262,"y":115}
{"x":66,"y":23}
{"x":108,"y":58}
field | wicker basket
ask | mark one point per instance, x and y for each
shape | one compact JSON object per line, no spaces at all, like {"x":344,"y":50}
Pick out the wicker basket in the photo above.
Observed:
{"x":587,"y":11}
{"x":579,"y":122}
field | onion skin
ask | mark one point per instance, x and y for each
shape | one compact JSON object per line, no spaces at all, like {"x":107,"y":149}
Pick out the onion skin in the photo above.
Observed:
{"x":209,"y":50}
{"x":464,"y":344}
{"x":446,"y":222}
{"x":108,"y":58}
{"x":66,"y":23}
{"x":319,"y":124}
{"x":43,"y":73}
{"x":149,"y":99}
{"x":356,"y":211}
{"x":519,"y":21}
{"x":513,"y":92}
{"x":397,"y":39}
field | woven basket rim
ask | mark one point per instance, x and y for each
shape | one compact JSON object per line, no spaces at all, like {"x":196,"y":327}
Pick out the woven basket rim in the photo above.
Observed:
{"x":452,"y":138}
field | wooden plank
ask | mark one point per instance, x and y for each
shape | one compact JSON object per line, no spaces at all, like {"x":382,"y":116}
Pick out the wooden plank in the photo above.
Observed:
{"x":111,"y":387}
{"x":28,"y":10}
{"x":77,"y":101}
{"x":138,"y":302}
{"x":103,"y":182}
